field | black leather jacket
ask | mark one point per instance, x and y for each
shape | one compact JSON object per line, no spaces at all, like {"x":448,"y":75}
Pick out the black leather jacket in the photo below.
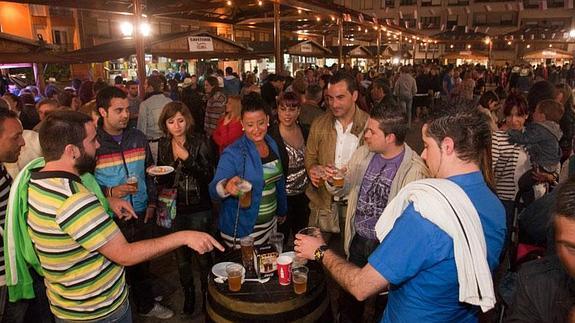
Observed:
{"x":199,"y":165}
{"x":545,"y":292}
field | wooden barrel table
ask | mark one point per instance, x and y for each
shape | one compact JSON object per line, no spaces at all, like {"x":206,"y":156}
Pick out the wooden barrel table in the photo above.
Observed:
{"x":270,"y":302}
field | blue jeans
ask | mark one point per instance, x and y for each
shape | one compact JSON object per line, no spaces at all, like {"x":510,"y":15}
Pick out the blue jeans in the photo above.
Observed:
{"x":122,"y":314}
{"x":351,"y":309}
{"x":405,"y":103}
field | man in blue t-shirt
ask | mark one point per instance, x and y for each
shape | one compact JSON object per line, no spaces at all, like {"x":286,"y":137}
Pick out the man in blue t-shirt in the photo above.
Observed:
{"x":415,"y":261}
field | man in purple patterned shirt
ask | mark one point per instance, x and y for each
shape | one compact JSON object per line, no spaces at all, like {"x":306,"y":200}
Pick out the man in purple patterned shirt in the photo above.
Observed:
{"x":377,"y":171}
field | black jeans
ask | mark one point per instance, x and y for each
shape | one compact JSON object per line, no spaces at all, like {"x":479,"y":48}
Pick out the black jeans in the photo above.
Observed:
{"x":138,"y":276}
{"x":297,"y":217}
{"x":29,"y":310}
{"x":199,"y":221}
{"x":351,"y":309}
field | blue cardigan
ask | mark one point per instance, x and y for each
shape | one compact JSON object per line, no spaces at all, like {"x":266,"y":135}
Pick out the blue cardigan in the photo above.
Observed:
{"x":231,"y":164}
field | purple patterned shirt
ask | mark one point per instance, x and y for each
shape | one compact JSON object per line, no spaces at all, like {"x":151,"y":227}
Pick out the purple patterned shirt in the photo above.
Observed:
{"x":374,"y":193}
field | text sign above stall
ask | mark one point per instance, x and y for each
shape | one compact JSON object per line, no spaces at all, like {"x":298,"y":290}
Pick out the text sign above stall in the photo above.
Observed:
{"x":200,"y":44}
{"x":306,"y":48}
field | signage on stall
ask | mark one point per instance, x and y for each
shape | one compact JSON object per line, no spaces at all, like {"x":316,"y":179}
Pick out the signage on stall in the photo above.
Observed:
{"x":465,"y":53}
{"x":306,"y":48}
{"x":200,"y":44}
{"x":548,"y":53}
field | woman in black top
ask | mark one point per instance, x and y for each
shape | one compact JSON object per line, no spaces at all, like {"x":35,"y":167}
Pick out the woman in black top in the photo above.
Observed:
{"x":191,"y":158}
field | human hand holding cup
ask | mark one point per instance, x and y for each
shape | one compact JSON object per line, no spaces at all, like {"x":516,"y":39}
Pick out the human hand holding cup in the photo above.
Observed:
{"x":307,"y":241}
{"x":317,"y":175}
{"x":244,"y":193}
{"x":336,"y":176}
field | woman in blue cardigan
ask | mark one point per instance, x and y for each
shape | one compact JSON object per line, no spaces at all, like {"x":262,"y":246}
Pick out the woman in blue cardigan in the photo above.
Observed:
{"x":254,"y":157}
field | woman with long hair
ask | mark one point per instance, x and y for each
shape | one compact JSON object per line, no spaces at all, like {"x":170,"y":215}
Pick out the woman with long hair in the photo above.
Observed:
{"x":191,"y":158}
{"x":229,"y":127}
{"x":215,"y":104}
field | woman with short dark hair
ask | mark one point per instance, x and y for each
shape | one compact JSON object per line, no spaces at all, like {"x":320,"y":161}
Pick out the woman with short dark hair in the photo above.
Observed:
{"x":254,"y":158}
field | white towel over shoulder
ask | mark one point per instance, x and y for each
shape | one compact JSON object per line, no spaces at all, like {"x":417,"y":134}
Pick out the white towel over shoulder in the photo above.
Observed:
{"x":444,"y":203}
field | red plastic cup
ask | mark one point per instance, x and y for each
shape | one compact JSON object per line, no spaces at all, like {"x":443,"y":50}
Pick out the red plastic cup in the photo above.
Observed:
{"x":284,"y":269}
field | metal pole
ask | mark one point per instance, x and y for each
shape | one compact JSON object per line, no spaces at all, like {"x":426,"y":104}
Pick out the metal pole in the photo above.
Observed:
{"x":139,"y":40}
{"x":277,"y":38}
{"x":340,"y":43}
{"x":378,"y":44}
{"x":39,"y":76}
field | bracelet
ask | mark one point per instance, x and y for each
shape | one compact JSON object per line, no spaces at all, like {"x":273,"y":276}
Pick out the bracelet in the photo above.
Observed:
{"x":152,"y":206}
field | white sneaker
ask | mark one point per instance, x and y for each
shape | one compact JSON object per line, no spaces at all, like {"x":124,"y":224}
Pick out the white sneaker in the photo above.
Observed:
{"x":159,"y":311}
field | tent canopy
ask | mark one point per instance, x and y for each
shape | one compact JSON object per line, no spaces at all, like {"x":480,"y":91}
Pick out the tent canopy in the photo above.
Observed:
{"x":548,"y":53}
{"x":181,"y":45}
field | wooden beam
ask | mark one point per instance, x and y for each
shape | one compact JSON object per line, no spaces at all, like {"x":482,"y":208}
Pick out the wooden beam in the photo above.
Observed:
{"x":107,"y":6}
{"x":179,"y":7}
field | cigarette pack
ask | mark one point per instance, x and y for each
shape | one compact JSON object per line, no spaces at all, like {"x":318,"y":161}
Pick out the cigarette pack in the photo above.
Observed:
{"x":265,"y":260}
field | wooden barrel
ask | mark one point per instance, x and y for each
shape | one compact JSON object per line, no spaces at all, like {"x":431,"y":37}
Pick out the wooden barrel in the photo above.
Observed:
{"x":269,"y":302}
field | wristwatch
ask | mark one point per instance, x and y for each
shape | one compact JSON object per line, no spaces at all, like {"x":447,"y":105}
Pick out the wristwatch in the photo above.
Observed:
{"x":319,"y":252}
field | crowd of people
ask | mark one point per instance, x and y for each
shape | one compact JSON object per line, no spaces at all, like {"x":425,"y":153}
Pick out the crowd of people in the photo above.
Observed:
{"x":413,"y":236}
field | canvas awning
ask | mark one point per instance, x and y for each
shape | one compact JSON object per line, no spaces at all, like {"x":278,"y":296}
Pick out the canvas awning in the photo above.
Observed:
{"x":470,"y":55}
{"x":181,"y":45}
{"x":308,"y":48}
{"x":548,"y":54}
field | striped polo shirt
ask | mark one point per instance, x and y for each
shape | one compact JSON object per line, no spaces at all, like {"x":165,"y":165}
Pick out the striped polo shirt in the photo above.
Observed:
{"x":5,"y":182}
{"x":67,"y":225}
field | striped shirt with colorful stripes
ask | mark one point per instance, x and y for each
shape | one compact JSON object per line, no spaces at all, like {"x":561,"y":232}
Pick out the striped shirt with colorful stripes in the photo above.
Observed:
{"x":5,"y":182}
{"x":67,"y":225}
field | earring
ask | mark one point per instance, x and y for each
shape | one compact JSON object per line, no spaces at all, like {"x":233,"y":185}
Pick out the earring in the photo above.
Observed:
{"x":243,"y":129}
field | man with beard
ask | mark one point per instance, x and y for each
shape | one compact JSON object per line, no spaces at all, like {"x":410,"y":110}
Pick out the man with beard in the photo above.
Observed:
{"x":124,"y":153}
{"x":80,"y":248}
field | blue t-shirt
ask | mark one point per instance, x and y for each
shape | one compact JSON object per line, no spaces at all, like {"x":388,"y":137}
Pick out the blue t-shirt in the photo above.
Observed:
{"x":416,"y":257}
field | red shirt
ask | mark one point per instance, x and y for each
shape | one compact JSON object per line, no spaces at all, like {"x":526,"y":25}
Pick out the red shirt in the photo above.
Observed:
{"x":225,"y":135}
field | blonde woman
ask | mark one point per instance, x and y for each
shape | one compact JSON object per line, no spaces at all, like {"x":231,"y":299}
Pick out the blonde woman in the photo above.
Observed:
{"x":229,"y":127}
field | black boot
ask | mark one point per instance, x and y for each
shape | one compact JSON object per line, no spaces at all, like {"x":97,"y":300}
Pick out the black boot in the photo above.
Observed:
{"x":189,"y":300}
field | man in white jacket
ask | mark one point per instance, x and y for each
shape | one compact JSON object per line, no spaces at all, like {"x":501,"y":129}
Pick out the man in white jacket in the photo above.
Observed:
{"x":416,"y":256}
{"x":150,"y":110}
{"x":377,"y":171}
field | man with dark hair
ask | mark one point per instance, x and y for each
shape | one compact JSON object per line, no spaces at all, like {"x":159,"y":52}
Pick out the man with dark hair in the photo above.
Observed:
{"x":46,"y":106}
{"x":546,"y":287}
{"x":232,"y":84}
{"x":376,"y":172}
{"x":150,"y":110}
{"x":380,"y":92}
{"x":134,"y":101}
{"x":12,"y":143}
{"x":440,"y":238}
{"x":333,"y":138}
{"x":272,"y":87}
{"x":80,"y":248}
{"x":310,"y":109}
{"x":125,"y":153}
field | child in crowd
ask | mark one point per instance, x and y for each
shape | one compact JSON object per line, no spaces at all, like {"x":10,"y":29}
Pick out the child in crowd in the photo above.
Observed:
{"x":541,"y":138}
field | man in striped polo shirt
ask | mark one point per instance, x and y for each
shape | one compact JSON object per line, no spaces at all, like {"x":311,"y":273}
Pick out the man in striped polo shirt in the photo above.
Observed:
{"x":81,"y":249}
